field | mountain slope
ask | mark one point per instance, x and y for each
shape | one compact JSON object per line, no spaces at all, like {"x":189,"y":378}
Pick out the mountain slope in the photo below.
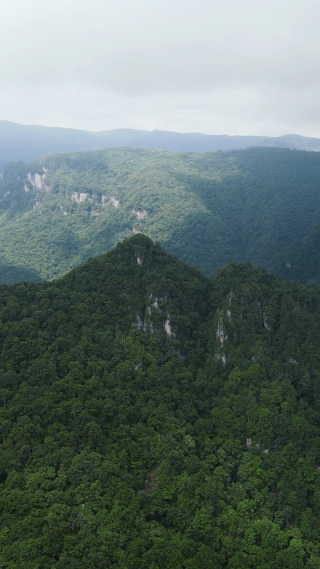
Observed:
{"x":206,"y":209}
{"x":29,"y":142}
{"x":151,"y":417}
{"x":301,"y":261}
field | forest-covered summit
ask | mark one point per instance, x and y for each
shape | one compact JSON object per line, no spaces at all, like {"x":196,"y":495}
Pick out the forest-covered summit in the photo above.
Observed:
{"x":151,"y":417}
{"x":207,"y":209}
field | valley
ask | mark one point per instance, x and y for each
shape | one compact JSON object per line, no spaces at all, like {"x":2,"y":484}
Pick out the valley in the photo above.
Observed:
{"x":207,"y":209}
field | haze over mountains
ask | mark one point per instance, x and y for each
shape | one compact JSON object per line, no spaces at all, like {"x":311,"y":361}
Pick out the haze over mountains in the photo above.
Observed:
{"x":30,"y":142}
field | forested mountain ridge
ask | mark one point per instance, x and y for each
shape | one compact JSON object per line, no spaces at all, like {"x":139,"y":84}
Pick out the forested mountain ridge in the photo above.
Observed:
{"x":246,"y":205}
{"x":151,"y":417}
{"x":29,"y":142}
{"x":300,"y":261}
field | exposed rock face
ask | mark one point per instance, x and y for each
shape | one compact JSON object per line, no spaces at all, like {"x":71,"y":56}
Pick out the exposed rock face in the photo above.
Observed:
{"x":152,"y":325}
{"x":113,"y":201}
{"x":141,"y":214}
{"x":36,"y":180}
{"x":221,"y":333}
{"x":222,"y":336}
{"x":79,"y":197}
{"x":265,"y":322}
{"x":167,"y":327}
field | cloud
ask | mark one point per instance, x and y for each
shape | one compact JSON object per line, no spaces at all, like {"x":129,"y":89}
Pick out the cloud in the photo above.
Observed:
{"x":192,"y":68}
{"x":211,"y":66}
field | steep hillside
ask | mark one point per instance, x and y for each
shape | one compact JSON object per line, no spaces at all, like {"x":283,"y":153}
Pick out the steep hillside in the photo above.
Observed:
{"x":29,"y":142}
{"x":206,"y":209}
{"x":301,"y":261}
{"x":153,"y":418}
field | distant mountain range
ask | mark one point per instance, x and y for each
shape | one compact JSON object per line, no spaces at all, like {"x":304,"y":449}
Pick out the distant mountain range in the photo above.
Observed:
{"x":30,"y":142}
{"x":207,"y":209}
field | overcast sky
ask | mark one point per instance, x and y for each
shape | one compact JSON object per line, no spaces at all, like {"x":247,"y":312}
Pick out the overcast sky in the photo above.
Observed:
{"x":212,"y":66}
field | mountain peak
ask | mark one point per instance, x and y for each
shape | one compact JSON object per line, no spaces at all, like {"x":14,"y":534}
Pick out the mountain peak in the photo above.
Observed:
{"x":141,"y":404}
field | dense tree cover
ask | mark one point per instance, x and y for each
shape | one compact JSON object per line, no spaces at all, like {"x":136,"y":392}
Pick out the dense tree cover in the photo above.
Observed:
{"x":29,"y":142}
{"x":301,"y":261}
{"x":205,"y":208}
{"x":154,"y":418}
{"x":11,"y":274}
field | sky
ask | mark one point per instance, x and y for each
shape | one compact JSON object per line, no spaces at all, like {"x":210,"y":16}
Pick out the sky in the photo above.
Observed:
{"x":212,"y":66}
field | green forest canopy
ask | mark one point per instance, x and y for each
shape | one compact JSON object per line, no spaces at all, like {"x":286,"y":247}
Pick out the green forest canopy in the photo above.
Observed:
{"x":153,"y":418}
{"x":207,"y":209}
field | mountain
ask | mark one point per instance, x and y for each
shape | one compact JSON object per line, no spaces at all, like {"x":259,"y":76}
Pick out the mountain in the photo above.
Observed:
{"x":151,"y":417}
{"x":246,"y":205}
{"x":300,"y":261}
{"x":29,"y":142}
